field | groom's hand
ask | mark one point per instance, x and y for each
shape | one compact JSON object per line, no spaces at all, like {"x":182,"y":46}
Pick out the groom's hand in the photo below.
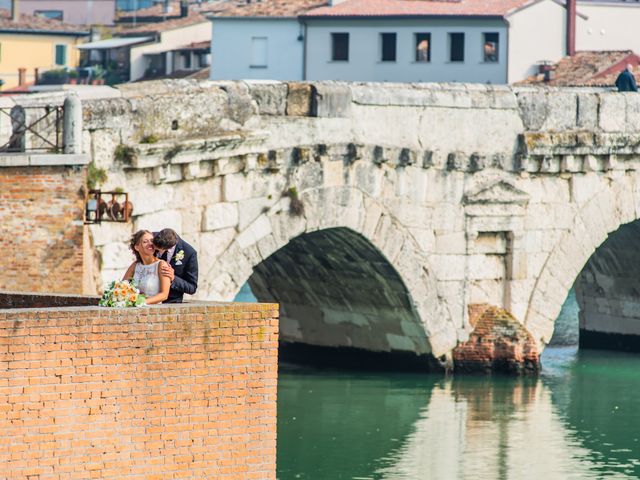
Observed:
{"x":167,"y":271}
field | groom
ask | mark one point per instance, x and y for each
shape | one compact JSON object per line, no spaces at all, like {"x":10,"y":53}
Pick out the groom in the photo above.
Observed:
{"x":182,"y":268}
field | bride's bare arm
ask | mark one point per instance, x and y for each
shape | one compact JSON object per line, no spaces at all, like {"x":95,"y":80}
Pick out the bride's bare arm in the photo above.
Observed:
{"x":129,"y":273}
{"x":165,"y":285}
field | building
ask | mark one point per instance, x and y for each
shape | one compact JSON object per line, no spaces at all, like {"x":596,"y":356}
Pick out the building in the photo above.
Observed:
{"x":83,"y":12}
{"x":260,"y":40}
{"x":498,"y":41}
{"x":608,"y":25}
{"x":388,"y":40}
{"x":587,"y":69}
{"x":172,"y":44}
{"x":441,"y":41}
{"x":51,"y":45}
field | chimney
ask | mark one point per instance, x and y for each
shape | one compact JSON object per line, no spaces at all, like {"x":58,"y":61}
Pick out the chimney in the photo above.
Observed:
{"x":571,"y":27}
{"x":15,"y":11}
{"x":22,"y":76}
{"x":184,"y":8}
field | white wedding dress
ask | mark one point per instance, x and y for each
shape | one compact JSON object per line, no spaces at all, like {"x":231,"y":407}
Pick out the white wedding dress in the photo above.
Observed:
{"x":147,"y":278}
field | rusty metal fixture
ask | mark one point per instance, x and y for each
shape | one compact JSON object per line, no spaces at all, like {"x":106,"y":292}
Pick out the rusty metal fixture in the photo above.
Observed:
{"x":117,"y":209}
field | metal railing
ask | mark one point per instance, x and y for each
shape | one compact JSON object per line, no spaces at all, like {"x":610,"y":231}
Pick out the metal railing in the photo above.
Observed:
{"x":32,"y":129}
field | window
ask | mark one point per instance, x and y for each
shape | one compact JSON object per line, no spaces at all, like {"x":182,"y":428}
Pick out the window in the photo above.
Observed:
{"x":456,"y":47}
{"x":388,"y":47}
{"x":61,"y":54}
{"x":186,"y":60}
{"x":340,"y":47}
{"x":258,"y":52}
{"x":490,"y":47}
{"x":51,"y":14}
{"x":423,"y":47}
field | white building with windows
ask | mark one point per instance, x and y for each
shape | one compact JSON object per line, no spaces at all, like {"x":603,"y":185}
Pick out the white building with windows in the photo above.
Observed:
{"x":498,"y":41}
{"x":260,"y":40}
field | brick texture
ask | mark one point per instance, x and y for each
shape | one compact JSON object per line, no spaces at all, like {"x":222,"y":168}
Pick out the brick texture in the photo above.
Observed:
{"x":185,"y":391}
{"x":41,"y":228}
{"x":498,"y":343}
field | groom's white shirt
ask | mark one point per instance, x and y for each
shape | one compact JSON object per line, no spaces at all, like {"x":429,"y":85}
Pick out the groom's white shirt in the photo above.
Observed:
{"x":170,"y":253}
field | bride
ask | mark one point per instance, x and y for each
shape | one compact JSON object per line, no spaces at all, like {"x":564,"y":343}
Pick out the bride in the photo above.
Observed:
{"x":145,"y":271}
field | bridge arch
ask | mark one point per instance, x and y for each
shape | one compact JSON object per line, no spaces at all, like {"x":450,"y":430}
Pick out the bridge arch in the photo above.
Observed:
{"x":354,"y":221}
{"x":595,"y":224}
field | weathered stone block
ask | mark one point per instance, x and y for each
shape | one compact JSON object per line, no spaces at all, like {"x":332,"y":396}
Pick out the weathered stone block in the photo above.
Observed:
{"x":219,"y":216}
{"x":299,"y":99}
{"x":270,"y":97}
{"x":612,"y":111}
{"x":331,"y":100}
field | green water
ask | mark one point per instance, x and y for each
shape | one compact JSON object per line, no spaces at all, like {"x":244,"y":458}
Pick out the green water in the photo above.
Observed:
{"x":579,"y":420}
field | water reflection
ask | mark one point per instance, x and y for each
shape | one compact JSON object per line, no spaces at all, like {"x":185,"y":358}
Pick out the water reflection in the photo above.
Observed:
{"x":579,"y":420}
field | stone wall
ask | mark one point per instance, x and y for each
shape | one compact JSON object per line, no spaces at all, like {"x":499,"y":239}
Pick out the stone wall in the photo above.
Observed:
{"x":186,"y":391}
{"x":42,"y":213}
{"x":473,"y":194}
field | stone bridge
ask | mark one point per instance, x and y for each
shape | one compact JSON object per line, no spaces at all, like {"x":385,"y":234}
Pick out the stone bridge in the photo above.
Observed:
{"x":381,"y":216}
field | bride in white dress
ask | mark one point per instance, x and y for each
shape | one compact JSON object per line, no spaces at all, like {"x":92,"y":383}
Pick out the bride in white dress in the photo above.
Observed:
{"x":145,"y":271}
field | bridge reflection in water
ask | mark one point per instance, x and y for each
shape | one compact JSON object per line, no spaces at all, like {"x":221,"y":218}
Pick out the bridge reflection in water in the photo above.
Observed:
{"x":577,"y":421}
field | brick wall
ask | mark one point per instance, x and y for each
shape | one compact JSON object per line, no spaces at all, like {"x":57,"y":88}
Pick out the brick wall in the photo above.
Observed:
{"x":184,"y":391}
{"x":498,"y":343}
{"x":41,"y":229}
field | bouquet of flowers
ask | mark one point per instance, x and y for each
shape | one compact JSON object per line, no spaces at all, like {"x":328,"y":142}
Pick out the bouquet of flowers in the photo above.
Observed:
{"x":122,"y":293}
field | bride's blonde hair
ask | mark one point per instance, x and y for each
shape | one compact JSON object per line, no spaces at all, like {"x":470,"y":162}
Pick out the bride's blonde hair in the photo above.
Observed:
{"x":135,"y":239}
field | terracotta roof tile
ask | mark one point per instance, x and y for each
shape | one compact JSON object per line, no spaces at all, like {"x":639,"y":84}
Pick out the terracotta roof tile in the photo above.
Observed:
{"x":32,"y":23}
{"x":158,"y":27}
{"x":588,"y":69}
{"x":267,"y":8}
{"x":381,"y":8}
{"x":158,"y":10}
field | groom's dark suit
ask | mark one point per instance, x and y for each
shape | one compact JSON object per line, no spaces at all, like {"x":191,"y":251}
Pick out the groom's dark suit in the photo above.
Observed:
{"x":185,"y":266}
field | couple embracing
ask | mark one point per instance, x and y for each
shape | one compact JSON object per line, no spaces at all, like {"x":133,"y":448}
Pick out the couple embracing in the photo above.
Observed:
{"x":166,"y":266}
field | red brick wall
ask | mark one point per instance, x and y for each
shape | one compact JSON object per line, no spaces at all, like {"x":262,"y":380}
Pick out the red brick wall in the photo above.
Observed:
{"x":498,"y":343}
{"x":41,"y":228}
{"x":186,"y":391}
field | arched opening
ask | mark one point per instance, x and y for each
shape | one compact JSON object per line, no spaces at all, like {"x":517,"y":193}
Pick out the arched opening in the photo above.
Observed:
{"x":608,"y":293}
{"x":341,"y":303}
{"x":602,"y":308}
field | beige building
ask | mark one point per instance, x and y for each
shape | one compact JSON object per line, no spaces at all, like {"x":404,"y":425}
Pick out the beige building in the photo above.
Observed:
{"x":31,"y":44}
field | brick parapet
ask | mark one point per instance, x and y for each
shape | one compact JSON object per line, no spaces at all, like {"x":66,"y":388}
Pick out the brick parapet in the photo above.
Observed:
{"x":186,"y":391}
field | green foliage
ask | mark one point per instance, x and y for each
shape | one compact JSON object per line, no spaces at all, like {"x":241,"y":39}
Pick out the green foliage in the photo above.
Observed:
{"x":124,"y":153}
{"x":95,"y":176}
{"x":149,"y":139}
{"x":296,"y":207}
{"x":54,"y":77}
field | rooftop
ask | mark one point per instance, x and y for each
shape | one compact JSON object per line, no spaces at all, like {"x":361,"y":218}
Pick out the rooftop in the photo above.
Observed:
{"x":161,"y":26}
{"x":158,"y":12}
{"x":31,"y":23}
{"x":588,"y":69}
{"x":267,"y":8}
{"x":400,"y":8}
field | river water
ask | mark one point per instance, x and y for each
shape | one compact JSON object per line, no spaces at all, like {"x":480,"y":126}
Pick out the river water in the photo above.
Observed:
{"x":578,"y":420}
